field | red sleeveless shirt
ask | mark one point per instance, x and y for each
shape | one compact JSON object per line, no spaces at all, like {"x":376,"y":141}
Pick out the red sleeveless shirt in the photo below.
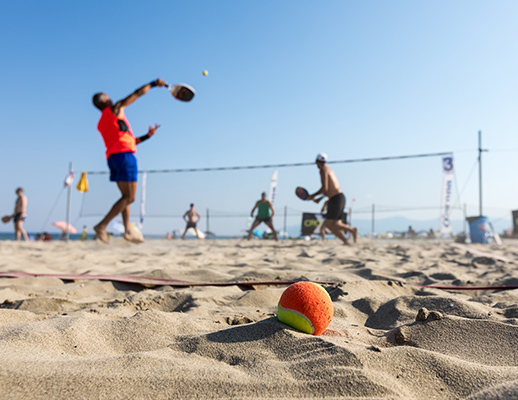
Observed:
{"x":116,"y":132}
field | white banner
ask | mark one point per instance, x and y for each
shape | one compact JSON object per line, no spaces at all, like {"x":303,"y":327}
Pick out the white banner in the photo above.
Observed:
{"x":273,"y":187}
{"x":447,"y":195}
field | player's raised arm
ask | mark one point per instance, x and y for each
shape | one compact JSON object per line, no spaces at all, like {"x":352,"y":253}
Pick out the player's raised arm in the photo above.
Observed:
{"x":121,"y":104}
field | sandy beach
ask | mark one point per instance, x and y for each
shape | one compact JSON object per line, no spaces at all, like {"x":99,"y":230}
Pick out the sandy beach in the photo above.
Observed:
{"x":63,"y":339}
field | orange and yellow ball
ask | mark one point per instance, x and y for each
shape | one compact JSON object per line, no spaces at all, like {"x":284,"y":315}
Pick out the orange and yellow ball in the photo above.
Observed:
{"x":307,"y":307}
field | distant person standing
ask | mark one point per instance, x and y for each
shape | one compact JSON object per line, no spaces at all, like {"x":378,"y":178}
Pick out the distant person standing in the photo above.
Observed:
{"x":411,"y":233}
{"x":191,"y":217}
{"x":336,"y":204}
{"x":19,"y":215}
{"x":265,"y":213}
{"x":84,"y":234}
{"x":120,"y":153}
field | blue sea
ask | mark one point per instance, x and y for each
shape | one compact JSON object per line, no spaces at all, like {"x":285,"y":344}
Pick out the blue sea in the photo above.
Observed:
{"x":57,"y":236}
{"x":32,"y":236}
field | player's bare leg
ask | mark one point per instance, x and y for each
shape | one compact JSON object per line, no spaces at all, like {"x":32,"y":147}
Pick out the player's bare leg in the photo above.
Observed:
{"x":255,"y":224}
{"x":353,"y":231}
{"x":19,"y":231}
{"x":336,"y":229}
{"x":270,"y":225}
{"x":128,"y":191}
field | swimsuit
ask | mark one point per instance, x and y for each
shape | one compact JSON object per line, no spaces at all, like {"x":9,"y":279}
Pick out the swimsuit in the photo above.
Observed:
{"x":191,"y":225}
{"x":19,"y":217}
{"x":335,"y":207}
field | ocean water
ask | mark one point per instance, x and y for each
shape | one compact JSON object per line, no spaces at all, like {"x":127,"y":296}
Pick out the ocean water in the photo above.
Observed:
{"x":32,"y":236}
{"x":57,"y":236}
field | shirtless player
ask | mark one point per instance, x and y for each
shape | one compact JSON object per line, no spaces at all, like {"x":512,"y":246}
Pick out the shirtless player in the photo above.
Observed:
{"x":335,"y":207}
{"x":20,"y":212}
{"x":192,"y":217}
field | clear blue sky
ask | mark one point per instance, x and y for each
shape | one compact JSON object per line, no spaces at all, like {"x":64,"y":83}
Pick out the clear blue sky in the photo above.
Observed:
{"x":287,"y":79}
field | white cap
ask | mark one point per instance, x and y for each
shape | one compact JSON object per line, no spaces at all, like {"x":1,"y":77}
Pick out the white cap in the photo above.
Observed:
{"x":322,"y":157}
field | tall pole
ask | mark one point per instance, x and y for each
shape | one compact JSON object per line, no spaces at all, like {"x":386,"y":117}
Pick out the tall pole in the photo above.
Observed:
{"x":480,"y":172}
{"x":480,"y":151}
{"x":372,"y":228}
{"x":208,"y":234}
{"x":466,"y":226}
{"x":69,"y":190}
{"x":285,"y":216}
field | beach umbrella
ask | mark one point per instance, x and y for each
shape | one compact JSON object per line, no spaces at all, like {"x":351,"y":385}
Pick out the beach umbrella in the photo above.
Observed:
{"x":63,"y":226}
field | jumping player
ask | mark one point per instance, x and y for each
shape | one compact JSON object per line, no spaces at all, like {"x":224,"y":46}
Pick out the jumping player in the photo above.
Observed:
{"x":336,"y":204}
{"x":120,"y":153}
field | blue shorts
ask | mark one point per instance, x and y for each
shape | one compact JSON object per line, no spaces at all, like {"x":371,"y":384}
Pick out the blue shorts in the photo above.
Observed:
{"x":123,"y":167}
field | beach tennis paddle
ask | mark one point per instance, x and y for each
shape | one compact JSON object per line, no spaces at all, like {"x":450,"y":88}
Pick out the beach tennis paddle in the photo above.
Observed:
{"x":182,"y":92}
{"x":6,"y":219}
{"x":303,"y":194}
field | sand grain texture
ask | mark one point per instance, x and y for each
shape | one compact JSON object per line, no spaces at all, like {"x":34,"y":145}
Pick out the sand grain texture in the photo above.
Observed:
{"x":98,"y":339}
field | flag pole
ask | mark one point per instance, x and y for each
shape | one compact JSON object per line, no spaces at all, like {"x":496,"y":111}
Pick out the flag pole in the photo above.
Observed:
{"x":69,"y":191}
{"x":480,"y":151}
{"x":285,"y":227}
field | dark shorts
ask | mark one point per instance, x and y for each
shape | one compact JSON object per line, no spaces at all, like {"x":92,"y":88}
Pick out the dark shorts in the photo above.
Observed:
{"x":18,"y":217}
{"x":335,"y":207}
{"x":191,"y":225}
{"x":269,"y":219}
{"x":123,"y":167}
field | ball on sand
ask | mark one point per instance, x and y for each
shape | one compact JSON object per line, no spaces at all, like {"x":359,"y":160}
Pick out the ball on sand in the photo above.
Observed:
{"x":205,"y":73}
{"x":306,"y":307}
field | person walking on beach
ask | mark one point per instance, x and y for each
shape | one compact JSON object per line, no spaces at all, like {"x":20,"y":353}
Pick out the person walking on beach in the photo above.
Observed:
{"x":20,"y":212}
{"x":265,"y":213}
{"x":120,"y":153}
{"x":336,"y":204}
{"x":191,"y":217}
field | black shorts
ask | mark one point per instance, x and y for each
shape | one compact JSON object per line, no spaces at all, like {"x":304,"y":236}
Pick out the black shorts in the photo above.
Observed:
{"x":18,"y":217}
{"x":267,"y":220}
{"x":335,"y":207}
{"x":191,"y":225}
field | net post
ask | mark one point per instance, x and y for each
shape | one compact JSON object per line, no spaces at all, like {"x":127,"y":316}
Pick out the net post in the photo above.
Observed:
{"x":285,"y":216}
{"x":69,"y":190}
{"x":373,"y":219}
{"x":208,"y":235}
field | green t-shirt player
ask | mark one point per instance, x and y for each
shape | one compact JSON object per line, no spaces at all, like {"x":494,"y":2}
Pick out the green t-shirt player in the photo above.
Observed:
{"x":265,"y":213}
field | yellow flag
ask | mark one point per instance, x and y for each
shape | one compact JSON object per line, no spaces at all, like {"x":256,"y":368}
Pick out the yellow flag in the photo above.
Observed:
{"x":82,"y":186}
